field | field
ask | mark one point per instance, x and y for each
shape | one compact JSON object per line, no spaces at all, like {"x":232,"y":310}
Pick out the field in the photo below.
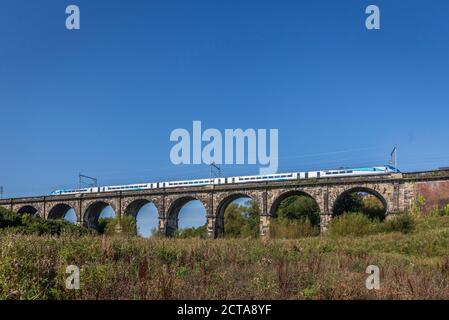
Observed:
{"x":413,"y":265}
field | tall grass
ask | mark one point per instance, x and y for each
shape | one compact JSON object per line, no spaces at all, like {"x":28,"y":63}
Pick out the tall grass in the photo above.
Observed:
{"x":292,"y":229}
{"x":413,"y":266}
{"x":358,"y":224}
{"x":411,"y":251}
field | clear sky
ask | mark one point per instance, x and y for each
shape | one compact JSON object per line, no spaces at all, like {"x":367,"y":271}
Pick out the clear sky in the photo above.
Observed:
{"x":103,"y":100}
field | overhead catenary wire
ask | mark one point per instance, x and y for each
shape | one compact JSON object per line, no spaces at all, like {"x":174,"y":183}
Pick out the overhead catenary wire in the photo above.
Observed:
{"x":312,"y":161}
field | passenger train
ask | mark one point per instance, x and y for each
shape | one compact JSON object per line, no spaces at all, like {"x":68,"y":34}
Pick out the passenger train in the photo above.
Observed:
{"x":387,"y":169}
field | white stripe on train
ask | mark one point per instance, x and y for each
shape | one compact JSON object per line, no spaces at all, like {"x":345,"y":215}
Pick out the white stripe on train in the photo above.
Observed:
{"x":240,"y":179}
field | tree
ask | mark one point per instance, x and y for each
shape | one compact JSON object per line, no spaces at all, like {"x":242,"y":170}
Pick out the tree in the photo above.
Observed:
{"x":348,"y":203}
{"x":242,"y":221}
{"x":109,"y":226}
{"x":192,"y":232}
{"x":360,"y":202}
{"x":297,"y":208}
{"x":373,"y":208}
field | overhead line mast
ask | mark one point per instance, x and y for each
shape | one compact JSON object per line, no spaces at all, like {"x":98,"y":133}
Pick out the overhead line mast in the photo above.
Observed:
{"x":93,"y":182}
{"x":394,"y":157}
{"x":215,"y":173}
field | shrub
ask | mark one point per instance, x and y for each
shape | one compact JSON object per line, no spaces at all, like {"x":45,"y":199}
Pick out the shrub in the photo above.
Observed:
{"x":241,"y":221}
{"x":110,"y":226}
{"x":192,"y":232}
{"x":418,"y":205}
{"x":404,"y":223}
{"x":9,"y":219}
{"x":440,"y":211}
{"x":291,"y":229}
{"x":28,"y":224}
{"x":299,"y":208}
{"x":352,"y":224}
{"x":445,"y":211}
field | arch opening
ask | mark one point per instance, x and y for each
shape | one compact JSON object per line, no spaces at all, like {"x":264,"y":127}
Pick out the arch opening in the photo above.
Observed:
{"x":96,"y":211}
{"x":63,"y":211}
{"x":238,"y":216}
{"x":361,"y":200}
{"x":295,"y":214}
{"x":70,"y":216}
{"x":187,"y":217}
{"x":27,"y":210}
{"x":146,"y":215}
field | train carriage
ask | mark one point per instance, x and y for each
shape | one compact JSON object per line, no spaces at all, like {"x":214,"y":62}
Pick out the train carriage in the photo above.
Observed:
{"x":387,"y":169}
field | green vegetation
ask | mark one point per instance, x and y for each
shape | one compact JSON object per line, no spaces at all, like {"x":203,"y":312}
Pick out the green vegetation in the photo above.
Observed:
{"x":199,"y":232}
{"x":296,"y":217}
{"x":242,"y":221}
{"x":360,"y":202}
{"x":29,"y":224}
{"x":359,"y":224}
{"x":410,"y":249}
{"x":413,"y":265}
{"x":298,"y":208}
{"x":110,"y":226}
{"x":292,"y":229}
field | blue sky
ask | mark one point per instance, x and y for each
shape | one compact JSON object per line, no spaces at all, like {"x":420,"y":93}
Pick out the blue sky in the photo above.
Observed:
{"x":103,"y":100}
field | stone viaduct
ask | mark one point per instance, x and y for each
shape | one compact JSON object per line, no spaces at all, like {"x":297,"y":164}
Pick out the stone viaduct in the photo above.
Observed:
{"x":396,"y":191}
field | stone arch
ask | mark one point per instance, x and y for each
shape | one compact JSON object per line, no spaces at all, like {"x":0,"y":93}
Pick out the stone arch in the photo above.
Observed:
{"x":221,"y":208}
{"x":285,"y":195}
{"x":59,"y":210}
{"x":172,"y":215}
{"x":93,"y":211}
{"x":28,"y":209}
{"x":135,"y":205}
{"x":356,"y":189}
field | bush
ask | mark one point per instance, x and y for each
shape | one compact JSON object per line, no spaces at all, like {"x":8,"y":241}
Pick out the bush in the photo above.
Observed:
{"x":359,"y":224}
{"x":30,"y":224}
{"x":404,"y":223}
{"x":110,"y":226}
{"x":291,"y":229}
{"x":241,"y":221}
{"x":9,"y":219}
{"x":352,"y":224}
{"x":440,"y":211}
{"x":299,"y":208}
{"x":445,"y":211}
{"x":192,"y":232}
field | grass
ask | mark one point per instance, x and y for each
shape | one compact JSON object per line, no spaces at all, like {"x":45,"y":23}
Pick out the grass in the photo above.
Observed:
{"x":414,"y":265}
{"x":359,"y":224}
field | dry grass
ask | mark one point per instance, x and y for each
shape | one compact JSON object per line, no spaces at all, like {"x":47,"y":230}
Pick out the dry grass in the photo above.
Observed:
{"x":413,"y":266}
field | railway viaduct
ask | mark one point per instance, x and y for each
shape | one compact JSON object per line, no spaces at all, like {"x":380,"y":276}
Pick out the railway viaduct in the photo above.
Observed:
{"x":396,"y":191}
